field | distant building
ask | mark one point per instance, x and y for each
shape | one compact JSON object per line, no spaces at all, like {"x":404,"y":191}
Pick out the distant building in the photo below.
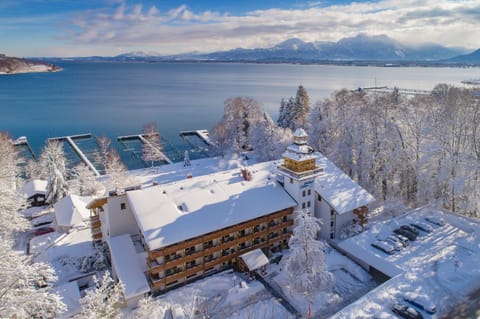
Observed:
{"x":202,"y":225}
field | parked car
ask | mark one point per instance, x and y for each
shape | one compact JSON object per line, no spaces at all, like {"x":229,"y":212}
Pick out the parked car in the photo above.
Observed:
{"x":405,"y":311}
{"x":410,"y":229}
{"x":404,"y":240}
{"x":420,"y":301}
{"x":435,"y":220}
{"x":392,"y":240}
{"x":384,"y":246}
{"x":406,"y":233}
{"x":423,"y":226}
{"x":42,"y":223}
{"x":43,"y":231}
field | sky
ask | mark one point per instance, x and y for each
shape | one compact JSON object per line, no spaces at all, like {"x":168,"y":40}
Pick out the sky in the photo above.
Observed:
{"x":64,"y":28}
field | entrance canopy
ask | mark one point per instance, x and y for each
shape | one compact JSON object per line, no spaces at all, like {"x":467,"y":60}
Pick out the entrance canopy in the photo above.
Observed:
{"x":254,"y":259}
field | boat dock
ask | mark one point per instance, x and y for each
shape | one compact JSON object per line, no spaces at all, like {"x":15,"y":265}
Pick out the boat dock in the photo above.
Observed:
{"x":24,"y":148}
{"x":141,"y":138}
{"x":78,"y":151}
{"x":202,"y":134}
{"x":386,"y":89}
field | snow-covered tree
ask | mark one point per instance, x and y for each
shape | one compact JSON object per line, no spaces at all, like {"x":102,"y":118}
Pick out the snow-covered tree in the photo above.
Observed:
{"x":186,"y":159}
{"x":100,"y":156}
{"x":53,"y":158}
{"x":220,"y":138}
{"x":118,"y":176}
{"x":148,"y":308}
{"x":83,"y":181}
{"x":104,"y":301}
{"x":302,"y":108}
{"x":35,"y":170}
{"x":8,"y":162}
{"x":306,"y":262}
{"x":25,"y":291}
{"x":151,"y":148}
{"x":269,"y":141}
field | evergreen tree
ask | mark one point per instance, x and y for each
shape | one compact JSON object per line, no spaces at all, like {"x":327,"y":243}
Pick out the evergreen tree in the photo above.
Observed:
{"x":301,"y":110}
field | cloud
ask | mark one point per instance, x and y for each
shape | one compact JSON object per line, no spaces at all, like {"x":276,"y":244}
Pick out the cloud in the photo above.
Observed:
{"x":180,"y":29}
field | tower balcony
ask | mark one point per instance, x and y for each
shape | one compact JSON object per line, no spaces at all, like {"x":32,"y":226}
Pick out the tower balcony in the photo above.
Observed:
{"x":299,"y":175}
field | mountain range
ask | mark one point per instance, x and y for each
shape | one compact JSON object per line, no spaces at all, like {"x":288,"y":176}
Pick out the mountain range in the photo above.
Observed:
{"x":361,"y":48}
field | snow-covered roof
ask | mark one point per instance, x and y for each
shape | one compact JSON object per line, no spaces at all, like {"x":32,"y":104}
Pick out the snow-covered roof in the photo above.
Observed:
{"x":171,"y":213}
{"x":254,"y":259}
{"x":70,"y":296}
{"x":71,"y":210}
{"x":338,"y":189}
{"x":127,"y":266}
{"x":300,"y":132}
{"x":33,"y":187}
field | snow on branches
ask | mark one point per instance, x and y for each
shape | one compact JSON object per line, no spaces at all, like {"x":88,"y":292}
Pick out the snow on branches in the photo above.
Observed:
{"x":104,"y":301}
{"x":306,"y":262}
{"x":53,"y":159}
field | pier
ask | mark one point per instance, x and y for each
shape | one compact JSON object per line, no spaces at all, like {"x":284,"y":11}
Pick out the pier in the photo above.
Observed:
{"x":22,"y":144}
{"x":78,"y":151}
{"x":142,"y":139}
{"x":202,"y":134}
{"x":386,"y":89}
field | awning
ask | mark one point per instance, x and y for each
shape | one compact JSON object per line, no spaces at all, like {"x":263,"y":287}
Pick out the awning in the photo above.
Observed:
{"x":254,"y":259}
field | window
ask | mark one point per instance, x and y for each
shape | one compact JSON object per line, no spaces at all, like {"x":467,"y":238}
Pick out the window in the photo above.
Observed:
{"x":303,"y":193}
{"x":291,"y":180}
{"x":319,"y":198}
{"x":309,"y":192}
{"x":303,"y":205}
{"x":123,"y":206}
{"x":308,"y":204}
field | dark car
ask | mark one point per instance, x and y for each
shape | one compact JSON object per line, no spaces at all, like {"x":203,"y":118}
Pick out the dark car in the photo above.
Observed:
{"x":406,"y":311}
{"x":406,"y":233}
{"x":43,"y":231}
{"x":410,"y":229}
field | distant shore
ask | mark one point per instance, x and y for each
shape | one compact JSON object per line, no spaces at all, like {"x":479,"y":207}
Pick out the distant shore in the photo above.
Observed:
{"x":12,"y":65}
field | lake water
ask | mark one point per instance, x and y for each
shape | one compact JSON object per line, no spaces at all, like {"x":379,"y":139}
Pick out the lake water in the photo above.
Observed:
{"x":118,"y":98}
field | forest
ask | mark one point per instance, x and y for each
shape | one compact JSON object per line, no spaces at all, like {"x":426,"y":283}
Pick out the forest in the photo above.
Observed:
{"x":414,"y":150}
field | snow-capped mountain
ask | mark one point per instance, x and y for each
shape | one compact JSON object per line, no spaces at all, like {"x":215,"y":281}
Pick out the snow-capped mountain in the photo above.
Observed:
{"x":360,"y":47}
{"x":472,"y":58}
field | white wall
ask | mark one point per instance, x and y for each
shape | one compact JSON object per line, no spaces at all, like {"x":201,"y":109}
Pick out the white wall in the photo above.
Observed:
{"x":118,"y":221}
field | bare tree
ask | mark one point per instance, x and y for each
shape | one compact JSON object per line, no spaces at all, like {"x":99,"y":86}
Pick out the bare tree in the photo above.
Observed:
{"x":151,"y":148}
{"x":53,"y":159}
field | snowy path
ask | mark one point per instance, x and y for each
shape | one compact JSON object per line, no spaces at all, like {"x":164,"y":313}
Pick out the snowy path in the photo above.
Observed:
{"x":274,"y":289}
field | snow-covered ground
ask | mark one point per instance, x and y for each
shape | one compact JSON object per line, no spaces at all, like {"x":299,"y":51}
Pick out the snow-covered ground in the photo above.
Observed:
{"x":227,"y":295}
{"x":177,"y":171}
{"x":441,"y":266}
{"x":351,"y":282}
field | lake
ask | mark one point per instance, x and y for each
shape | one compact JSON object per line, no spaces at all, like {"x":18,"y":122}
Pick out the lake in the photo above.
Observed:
{"x":118,"y":98}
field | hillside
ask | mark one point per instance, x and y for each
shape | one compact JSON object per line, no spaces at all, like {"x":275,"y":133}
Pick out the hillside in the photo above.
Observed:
{"x":12,"y":65}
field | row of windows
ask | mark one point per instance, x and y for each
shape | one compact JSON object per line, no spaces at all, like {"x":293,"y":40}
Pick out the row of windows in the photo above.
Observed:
{"x":306,"y":192}
{"x":305,"y":205}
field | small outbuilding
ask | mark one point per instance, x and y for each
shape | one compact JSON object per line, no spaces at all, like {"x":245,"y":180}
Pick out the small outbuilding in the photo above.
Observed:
{"x":35,"y":192}
{"x":252,"y":261}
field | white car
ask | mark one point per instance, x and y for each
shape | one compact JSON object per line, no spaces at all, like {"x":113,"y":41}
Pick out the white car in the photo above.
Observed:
{"x":394,"y":242}
{"x":384,"y":246}
{"x":439,"y":221}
